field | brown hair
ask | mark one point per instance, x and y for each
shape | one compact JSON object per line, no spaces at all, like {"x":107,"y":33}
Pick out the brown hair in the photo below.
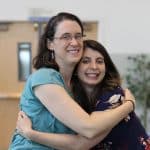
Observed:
{"x":44,"y":57}
{"x":111,"y":79}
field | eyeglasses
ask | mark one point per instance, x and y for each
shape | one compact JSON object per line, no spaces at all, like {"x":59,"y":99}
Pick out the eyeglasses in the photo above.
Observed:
{"x":68,"y":37}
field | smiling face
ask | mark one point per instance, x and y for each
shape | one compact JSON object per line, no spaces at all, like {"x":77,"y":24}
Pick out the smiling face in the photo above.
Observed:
{"x":91,"y":69}
{"x":67,"y":43}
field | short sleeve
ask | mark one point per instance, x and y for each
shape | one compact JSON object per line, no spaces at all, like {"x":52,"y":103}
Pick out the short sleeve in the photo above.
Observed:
{"x":46,"y":76}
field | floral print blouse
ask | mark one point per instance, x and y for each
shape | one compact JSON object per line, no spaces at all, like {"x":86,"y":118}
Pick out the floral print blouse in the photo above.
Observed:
{"x":129,"y":134}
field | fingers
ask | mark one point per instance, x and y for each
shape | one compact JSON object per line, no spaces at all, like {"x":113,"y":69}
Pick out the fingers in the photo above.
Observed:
{"x":130,"y":97}
{"x":22,"y":114}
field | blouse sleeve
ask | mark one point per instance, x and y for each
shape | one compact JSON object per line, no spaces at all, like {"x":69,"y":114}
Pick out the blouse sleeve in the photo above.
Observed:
{"x":46,"y":76}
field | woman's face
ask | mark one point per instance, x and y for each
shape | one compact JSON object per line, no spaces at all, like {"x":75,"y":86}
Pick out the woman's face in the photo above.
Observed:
{"x":67,"y":43}
{"x":91,"y":69}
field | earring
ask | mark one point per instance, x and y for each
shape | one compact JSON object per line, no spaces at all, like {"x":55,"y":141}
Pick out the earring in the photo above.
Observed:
{"x":52,"y":55}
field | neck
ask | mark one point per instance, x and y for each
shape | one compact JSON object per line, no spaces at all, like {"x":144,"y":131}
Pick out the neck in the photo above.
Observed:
{"x":66,"y":72}
{"x":89,"y":90}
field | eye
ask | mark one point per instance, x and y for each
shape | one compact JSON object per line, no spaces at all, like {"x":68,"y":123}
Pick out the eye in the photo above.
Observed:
{"x":78,"y":36}
{"x":66,"y":37}
{"x":85,"y":61}
{"x":100,"y":61}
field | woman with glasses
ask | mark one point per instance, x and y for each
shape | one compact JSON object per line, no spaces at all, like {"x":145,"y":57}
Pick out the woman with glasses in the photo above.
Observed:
{"x":47,"y":97}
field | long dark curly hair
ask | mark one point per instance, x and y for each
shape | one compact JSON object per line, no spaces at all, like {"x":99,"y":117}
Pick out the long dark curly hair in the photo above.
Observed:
{"x":111,"y":79}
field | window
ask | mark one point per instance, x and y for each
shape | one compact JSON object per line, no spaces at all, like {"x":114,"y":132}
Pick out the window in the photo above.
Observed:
{"x":24,"y":61}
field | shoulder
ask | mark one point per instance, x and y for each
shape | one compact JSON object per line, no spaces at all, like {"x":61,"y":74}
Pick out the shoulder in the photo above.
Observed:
{"x":45,"y":71}
{"x":115,"y":91}
{"x":46,"y":76}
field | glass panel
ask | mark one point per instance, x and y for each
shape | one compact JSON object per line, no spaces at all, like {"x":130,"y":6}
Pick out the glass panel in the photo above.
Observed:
{"x":24,"y":60}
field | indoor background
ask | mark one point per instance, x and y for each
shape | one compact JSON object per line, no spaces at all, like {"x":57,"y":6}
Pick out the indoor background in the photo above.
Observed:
{"x":122,"y":26}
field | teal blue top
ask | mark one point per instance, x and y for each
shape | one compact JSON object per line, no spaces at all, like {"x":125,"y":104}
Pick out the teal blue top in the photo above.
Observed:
{"x":42,"y":119}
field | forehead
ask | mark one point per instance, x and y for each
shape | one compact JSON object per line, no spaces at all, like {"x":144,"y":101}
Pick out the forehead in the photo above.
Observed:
{"x":88,"y":52}
{"x":68,"y":26}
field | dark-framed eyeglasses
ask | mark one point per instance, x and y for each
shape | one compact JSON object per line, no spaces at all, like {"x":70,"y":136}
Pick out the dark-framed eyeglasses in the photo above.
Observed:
{"x":68,"y":37}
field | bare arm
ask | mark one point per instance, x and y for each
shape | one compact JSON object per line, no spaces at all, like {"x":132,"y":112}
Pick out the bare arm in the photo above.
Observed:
{"x":58,"y":141}
{"x":56,"y":100}
{"x":64,"y":141}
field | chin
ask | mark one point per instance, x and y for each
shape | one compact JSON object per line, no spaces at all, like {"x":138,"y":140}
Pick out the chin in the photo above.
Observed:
{"x":75,"y":60}
{"x":92,"y":83}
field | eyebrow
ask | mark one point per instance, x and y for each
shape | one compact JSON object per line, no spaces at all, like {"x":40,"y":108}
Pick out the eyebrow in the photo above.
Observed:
{"x":86,"y":57}
{"x":71,"y":33}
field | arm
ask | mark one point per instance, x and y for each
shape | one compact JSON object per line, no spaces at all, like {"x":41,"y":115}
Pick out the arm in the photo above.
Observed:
{"x":58,"y":141}
{"x":64,"y":141}
{"x":56,"y":100}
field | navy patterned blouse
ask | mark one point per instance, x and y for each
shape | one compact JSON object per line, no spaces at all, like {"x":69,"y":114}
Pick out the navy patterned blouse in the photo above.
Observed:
{"x":129,"y":134}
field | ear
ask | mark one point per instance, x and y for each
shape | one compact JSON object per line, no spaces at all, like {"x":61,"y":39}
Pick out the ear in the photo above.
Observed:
{"x":49,"y":44}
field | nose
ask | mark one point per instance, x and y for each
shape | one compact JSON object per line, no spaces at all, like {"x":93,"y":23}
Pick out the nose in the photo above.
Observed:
{"x":74,"y":41}
{"x":93,"y":65}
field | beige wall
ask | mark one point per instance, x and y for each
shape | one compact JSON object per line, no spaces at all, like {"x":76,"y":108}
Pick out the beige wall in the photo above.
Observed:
{"x":91,"y":29}
{"x":17,"y":32}
{"x":8,"y":115}
{"x":10,"y":87}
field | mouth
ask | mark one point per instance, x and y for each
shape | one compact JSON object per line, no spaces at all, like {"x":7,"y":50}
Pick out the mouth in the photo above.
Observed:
{"x":74,"y":52}
{"x":92,"y":75}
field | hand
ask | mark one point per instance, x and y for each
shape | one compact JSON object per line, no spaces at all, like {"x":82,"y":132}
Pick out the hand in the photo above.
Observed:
{"x":129,"y":97}
{"x":24,"y":124}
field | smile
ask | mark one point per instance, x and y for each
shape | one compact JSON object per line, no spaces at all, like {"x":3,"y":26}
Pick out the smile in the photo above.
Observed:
{"x":74,"y":51}
{"x":92,"y":74}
